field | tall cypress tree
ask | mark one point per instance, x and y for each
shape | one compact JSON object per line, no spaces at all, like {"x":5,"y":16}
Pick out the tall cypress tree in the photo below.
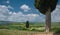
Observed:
{"x":46,"y":7}
{"x":27,"y":24}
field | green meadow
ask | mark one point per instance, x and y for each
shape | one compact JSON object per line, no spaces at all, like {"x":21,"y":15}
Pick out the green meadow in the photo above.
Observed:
{"x":33,"y":26}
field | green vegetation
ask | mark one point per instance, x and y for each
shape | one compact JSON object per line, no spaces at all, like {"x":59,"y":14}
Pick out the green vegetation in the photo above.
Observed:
{"x":46,"y":7}
{"x":39,"y":27}
{"x":27,"y":24}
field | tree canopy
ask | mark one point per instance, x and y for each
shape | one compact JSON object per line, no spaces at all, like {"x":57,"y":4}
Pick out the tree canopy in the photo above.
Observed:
{"x":44,"y":5}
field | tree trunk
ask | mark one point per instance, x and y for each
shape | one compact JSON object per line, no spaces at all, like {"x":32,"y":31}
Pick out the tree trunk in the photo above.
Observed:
{"x":48,"y":21}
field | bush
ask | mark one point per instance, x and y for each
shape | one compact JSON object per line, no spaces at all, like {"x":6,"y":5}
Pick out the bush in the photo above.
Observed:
{"x":4,"y":27}
{"x":27,"y":24}
{"x":55,"y":29}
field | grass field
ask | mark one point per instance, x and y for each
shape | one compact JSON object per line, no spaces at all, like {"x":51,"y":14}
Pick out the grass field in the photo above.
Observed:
{"x":12,"y":32}
{"x":16,"y":28}
{"x":18,"y":32}
{"x":33,"y":26}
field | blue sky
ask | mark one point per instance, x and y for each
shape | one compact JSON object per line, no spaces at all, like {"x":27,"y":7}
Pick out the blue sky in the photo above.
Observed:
{"x":23,"y":10}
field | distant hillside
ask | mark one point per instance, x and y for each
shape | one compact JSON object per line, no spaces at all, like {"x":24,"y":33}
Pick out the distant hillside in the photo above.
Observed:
{"x":5,"y":22}
{"x":10,"y":22}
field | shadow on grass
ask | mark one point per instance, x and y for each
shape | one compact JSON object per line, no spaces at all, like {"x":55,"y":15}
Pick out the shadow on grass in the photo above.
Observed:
{"x":57,"y":32}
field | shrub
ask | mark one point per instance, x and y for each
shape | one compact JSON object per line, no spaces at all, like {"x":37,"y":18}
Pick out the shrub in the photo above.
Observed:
{"x":27,"y":24}
{"x":4,"y":27}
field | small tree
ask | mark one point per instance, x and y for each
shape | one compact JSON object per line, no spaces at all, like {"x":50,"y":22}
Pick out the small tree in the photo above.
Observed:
{"x":27,"y":24}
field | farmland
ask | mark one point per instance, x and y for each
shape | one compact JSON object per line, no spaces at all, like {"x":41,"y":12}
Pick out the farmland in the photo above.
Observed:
{"x":19,"y":28}
{"x":33,"y":26}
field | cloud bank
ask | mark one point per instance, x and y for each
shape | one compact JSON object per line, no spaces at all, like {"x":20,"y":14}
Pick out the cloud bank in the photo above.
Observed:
{"x":7,"y":15}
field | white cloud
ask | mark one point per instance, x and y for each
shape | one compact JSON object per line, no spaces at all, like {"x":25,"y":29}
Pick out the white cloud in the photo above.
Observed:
{"x":10,"y":7}
{"x":56,"y":14}
{"x":3,"y":12}
{"x":10,"y":12}
{"x":8,"y":1}
{"x":6,"y":14}
{"x":25,"y":7}
{"x":20,"y":17}
{"x":14,"y":13}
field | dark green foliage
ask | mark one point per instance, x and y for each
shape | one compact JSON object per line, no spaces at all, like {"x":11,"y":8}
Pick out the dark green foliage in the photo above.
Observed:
{"x":4,"y":27}
{"x":56,"y":30}
{"x":44,"y":5}
{"x":27,"y":24}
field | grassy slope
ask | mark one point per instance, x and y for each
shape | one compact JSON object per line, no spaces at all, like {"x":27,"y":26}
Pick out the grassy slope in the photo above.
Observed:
{"x":13,"y":28}
{"x":10,"y":32}
{"x":33,"y":26}
{"x":14,"y":32}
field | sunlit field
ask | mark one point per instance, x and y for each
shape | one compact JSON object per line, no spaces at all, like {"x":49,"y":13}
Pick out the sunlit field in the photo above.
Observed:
{"x":16,"y":28}
{"x":33,"y":26}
